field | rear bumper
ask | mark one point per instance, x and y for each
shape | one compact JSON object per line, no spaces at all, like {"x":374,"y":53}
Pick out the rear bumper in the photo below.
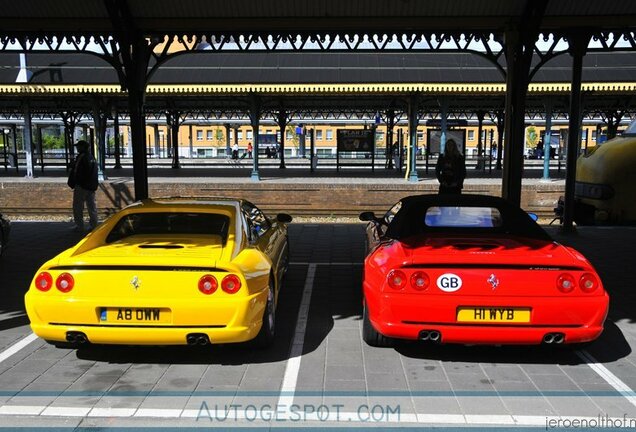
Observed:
{"x":231,"y":320}
{"x":404,"y":316}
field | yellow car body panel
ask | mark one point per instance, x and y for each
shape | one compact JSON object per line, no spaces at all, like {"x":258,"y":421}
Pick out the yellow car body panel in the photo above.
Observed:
{"x":605,"y":180}
{"x":144,"y":289}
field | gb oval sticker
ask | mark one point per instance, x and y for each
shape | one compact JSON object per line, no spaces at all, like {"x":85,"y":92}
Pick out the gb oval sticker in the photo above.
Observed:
{"x":449,"y":282}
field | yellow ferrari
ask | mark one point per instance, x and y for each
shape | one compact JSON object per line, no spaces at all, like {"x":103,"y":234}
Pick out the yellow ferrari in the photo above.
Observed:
{"x":605,"y":179}
{"x":166,"y":272}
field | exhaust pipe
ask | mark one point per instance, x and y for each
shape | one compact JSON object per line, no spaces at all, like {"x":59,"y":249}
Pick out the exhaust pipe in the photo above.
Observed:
{"x":559,"y":338}
{"x":201,"y":339}
{"x":74,"y":337}
{"x":430,"y":335}
{"x":548,"y":338}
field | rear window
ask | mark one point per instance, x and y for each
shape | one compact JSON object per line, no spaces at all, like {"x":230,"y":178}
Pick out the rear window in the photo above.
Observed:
{"x":170,"y":224}
{"x":463,"y":217}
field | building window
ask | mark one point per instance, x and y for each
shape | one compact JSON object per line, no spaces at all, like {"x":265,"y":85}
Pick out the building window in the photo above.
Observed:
{"x":208,"y":135}
{"x":268,"y":131}
{"x":239,"y":135}
{"x":329,"y":134}
{"x":379,"y":136}
{"x":277,"y":136}
{"x":593,"y":135}
{"x":318,"y":135}
{"x":249,"y":135}
{"x":288,"y":135}
{"x":199,"y":135}
{"x":471,"y":135}
{"x":420,"y":136}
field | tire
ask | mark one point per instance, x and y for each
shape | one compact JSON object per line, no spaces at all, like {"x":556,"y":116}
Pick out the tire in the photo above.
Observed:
{"x":370,"y":335}
{"x":265,"y":337}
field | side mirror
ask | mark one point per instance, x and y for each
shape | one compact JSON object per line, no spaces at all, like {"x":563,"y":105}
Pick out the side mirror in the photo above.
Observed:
{"x":533,"y":216}
{"x":368,"y":217}
{"x":283,"y":217}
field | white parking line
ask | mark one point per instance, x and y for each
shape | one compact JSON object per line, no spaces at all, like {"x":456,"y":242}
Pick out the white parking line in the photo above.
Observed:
{"x":608,"y":376}
{"x":293,"y":364}
{"x":17,"y":346}
{"x":337,"y":417}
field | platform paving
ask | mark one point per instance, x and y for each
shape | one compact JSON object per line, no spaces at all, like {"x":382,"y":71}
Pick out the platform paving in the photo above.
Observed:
{"x":338,"y":379}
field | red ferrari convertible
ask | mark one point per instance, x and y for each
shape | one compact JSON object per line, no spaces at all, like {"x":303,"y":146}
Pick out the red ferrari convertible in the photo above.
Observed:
{"x":474,"y":269}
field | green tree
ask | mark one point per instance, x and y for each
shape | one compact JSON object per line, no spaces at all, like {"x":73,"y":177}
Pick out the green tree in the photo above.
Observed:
{"x":291,"y":130}
{"x":220,"y":136}
{"x":532,"y":137}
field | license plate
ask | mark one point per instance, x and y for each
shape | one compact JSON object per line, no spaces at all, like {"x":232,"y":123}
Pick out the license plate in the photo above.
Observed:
{"x":135,"y":315}
{"x":493,"y":314}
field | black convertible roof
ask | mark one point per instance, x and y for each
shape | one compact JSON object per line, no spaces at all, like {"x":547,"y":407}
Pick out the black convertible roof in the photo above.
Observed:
{"x":408,"y":221}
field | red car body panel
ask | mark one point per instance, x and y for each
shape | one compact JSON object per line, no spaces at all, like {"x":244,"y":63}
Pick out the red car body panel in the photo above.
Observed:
{"x":498,"y":273}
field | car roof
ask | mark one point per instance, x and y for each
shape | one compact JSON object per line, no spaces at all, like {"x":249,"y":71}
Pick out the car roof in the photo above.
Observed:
{"x":203,"y":202}
{"x":409,"y":219}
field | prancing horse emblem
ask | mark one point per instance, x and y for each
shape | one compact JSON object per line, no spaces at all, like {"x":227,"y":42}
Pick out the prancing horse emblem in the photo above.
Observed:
{"x":135,"y":282}
{"x":493,"y":281}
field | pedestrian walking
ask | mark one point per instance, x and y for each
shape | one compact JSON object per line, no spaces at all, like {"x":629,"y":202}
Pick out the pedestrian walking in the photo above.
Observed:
{"x":83,"y":180}
{"x":450,"y":169}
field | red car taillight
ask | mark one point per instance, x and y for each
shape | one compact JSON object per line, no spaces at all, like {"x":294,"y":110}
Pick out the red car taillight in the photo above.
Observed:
{"x":396,"y":279}
{"x":588,"y":282}
{"x":65,"y":282}
{"x":565,"y":283}
{"x":231,"y":284}
{"x":208,"y":284}
{"x":419,"y":281}
{"x":44,"y":281}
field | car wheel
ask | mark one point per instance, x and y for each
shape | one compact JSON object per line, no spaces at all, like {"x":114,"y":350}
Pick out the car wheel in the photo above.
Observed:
{"x":265,"y":336}
{"x":370,"y":335}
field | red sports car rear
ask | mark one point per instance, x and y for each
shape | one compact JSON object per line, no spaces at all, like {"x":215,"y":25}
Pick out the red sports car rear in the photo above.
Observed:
{"x":473,"y":269}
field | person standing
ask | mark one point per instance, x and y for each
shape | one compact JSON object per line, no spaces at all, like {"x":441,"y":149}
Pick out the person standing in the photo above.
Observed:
{"x":83,"y":180}
{"x":249,"y":150}
{"x":450,"y":169}
{"x":235,"y":151}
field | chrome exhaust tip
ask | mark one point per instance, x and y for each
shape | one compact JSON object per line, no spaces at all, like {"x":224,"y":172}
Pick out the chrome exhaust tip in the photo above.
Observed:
{"x":559,"y":338}
{"x":435,"y":336}
{"x":425,"y":335}
{"x":548,"y":338}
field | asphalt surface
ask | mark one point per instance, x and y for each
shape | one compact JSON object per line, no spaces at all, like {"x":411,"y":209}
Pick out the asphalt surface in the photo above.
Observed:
{"x":319,"y":373}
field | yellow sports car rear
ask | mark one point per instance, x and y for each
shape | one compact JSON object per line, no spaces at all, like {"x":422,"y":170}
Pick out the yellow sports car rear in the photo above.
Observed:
{"x":166,"y":272}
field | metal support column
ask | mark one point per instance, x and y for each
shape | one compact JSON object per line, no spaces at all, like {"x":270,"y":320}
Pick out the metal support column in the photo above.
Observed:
{"x":547,"y":137}
{"x":282,"y":124}
{"x":190,"y":141}
{"x":390,"y":125}
{"x":99,"y":119}
{"x":28,"y":146}
{"x":14,"y":132}
{"x":443,"y":125}
{"x":116,"y":136}
{"x":174,"y":121}
{"x":578,"y":45}
{"x":481,"y":160}
{"x":157,"y":145}
{"x":228,"y":139}
{"x":413,"y":122}
{"x":255,"y":117}
{"x":516,"y":88}
{"x":40,"y":145}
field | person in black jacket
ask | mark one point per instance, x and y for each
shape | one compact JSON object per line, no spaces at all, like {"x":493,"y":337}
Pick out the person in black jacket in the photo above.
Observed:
{"x":83,"y":180}
{"x":450,"y":169}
